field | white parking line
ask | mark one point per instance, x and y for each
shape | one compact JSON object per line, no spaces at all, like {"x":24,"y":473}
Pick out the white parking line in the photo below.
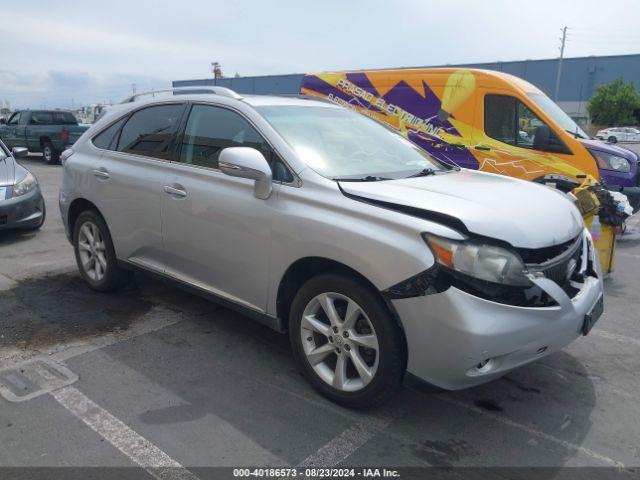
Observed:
{"x":535,"y":432}
{"x":342,"y":446}
{"x":137,"y":448}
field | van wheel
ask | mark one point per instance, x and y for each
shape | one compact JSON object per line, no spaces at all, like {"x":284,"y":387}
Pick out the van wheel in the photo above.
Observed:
{"x":50,"y":154}
{"x":95,"y":254}
{"x":346,"y":342}
{"x":612,"y":139}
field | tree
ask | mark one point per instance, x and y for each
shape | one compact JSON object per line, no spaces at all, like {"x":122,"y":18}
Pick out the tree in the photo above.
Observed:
{"x":614,"y":103}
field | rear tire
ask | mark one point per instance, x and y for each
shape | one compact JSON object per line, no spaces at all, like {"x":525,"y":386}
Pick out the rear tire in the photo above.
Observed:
{"x":50,"y":154}
{"x":95,"y":255}
{"x":332,"y":353}
{"x":612,"y":139}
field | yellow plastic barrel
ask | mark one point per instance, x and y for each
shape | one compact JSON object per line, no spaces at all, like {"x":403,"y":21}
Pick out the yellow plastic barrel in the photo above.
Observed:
{"x":605,"y":243}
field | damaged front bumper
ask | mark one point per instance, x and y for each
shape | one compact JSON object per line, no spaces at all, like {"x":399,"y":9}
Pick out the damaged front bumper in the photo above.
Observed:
{"x":456,"y":340}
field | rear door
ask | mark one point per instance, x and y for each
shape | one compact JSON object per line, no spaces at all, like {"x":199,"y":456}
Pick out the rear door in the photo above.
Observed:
{"x":216,"y":233}
{"x":127,"y":180}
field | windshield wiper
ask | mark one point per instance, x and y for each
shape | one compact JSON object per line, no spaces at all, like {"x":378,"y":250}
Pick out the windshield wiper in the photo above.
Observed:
{"x":368,"y":178}
{"x":425,"y":172}
{"x":575,"y":134}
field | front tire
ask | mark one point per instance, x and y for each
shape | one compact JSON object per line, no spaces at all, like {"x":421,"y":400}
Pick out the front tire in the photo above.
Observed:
{"x":95,"y":255}
{"x":50,"y":154}
{"x":612,"y":139}
{"x":346,"y":342}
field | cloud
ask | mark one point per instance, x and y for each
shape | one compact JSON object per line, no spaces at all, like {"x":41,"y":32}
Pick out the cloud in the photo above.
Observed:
{"x":92,"y":51}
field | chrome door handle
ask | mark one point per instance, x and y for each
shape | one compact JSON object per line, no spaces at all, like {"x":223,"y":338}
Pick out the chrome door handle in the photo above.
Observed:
{"x":101,"y":173}
{"x":176,"y":192}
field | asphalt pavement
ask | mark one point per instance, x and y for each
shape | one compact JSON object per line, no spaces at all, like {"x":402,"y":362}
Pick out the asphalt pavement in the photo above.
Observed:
{"x":157,"y":377}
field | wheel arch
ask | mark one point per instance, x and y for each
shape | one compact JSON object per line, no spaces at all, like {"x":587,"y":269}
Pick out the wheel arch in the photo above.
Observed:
{"x":305,"y":268}
{"x":44,"y":139}
{"x":78,"y":206}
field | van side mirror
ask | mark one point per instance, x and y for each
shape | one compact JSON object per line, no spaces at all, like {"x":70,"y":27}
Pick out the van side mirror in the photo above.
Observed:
{"x":3,"y":120}
{"x":246,"y":162}
{"x":546,"y":141}
{"x":19,"y":152}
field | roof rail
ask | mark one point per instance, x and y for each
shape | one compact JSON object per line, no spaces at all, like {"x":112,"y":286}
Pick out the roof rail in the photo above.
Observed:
{"x":223,"y":91}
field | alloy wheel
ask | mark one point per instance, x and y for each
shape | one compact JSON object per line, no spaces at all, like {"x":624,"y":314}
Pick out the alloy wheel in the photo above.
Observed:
{"x":47,"y":153}
{"x":339,"y":341}
{"x":92,"y":251}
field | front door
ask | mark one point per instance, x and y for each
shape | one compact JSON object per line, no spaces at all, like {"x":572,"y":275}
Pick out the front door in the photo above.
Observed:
{"x":216,"y":233}
{"x":13,"y":127}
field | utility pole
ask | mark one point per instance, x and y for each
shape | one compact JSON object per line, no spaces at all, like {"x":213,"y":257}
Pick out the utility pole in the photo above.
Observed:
{"x":133,"y":88}
{"x":563,"y":40}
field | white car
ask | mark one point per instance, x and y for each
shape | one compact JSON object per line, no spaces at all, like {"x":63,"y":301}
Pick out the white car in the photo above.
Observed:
{"x":619,"y":134}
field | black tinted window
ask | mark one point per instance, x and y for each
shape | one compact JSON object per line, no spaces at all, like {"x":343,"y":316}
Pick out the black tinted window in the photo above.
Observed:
{"x":211,"y":129}
{"x":41,"y":118}
{"x":64,"y":118}
{"x":149,"y":131}
{"x":15,"y":118}
{"x":107,"y":138}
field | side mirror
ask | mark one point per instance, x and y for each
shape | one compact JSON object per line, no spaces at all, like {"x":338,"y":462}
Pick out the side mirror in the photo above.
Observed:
{"x":3,"y":120}
{"x":19,"y":152}
{"x":246,"y":162}
{"x":542,"y":138}
{"x":546,"y":141}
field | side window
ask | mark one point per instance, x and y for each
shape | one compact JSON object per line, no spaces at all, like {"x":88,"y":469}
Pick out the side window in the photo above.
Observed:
{"x":150,"y":131}
{"x":64,"y":118}
{"x":15,"y":118}
{"x":211,"y":129}
{"x":107,"y":139}
{"x":41,"y":118}
{"x":510,"y":121}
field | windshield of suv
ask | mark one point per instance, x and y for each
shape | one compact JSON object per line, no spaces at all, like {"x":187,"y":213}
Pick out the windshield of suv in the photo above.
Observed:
{"x":344,"y":145}
{"x":552,"y":109}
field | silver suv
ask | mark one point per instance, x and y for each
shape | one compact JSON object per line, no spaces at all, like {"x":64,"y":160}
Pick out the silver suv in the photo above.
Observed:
{"x":320,"y":222}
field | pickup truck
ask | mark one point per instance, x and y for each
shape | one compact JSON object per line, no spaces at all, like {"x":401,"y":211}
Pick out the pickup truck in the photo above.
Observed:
{"x":46,"y":131}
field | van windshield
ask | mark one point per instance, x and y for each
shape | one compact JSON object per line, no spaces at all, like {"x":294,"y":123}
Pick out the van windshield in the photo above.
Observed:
{"x":552,"y":109}
{"x":341,"y":144}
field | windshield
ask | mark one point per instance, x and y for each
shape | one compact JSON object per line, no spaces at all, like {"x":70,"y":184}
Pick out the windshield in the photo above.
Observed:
{"x":341,"y":144}
{"x":552,"y":109}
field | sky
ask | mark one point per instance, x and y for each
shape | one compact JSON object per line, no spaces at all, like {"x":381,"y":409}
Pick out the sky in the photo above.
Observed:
{"x":70,"y":53}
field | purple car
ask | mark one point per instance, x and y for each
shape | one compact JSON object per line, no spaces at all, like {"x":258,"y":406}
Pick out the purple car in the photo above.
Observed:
{"x":618,"y":169}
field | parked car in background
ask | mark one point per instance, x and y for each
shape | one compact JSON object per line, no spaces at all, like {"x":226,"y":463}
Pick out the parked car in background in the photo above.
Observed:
{"x":619,"y":134}
{"x":46,"y":131}
{"x":313,"y":219}
{"x":21,"y":202}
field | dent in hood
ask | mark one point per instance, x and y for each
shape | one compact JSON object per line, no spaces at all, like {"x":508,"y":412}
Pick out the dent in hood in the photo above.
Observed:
{"x":523,"y":214}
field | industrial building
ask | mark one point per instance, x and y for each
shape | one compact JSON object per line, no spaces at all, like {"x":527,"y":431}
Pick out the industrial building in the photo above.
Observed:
{"x":579,"y":80}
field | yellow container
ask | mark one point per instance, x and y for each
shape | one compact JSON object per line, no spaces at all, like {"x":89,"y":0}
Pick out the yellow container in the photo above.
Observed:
{"x":605,"y":244}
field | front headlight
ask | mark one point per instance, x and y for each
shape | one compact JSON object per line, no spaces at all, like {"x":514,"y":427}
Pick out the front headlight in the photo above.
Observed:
{"x":608,"y":161}
{"x":25,"y":185}
{"x":479,"y":260}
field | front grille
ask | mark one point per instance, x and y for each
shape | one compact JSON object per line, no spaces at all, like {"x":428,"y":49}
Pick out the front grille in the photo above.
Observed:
{"x":564,"y":267}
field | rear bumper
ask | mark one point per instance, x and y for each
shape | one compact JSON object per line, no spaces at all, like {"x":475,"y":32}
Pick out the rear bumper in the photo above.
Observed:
{"x":450,"y":334}
{"x":25,"y":211}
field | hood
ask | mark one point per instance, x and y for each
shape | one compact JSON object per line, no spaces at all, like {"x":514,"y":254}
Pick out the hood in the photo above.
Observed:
{"x":524,"y":214}
{"x":608,"y":148}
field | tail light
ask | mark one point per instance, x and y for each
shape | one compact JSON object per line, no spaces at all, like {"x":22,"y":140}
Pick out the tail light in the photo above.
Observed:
{"x":64,"y":135}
